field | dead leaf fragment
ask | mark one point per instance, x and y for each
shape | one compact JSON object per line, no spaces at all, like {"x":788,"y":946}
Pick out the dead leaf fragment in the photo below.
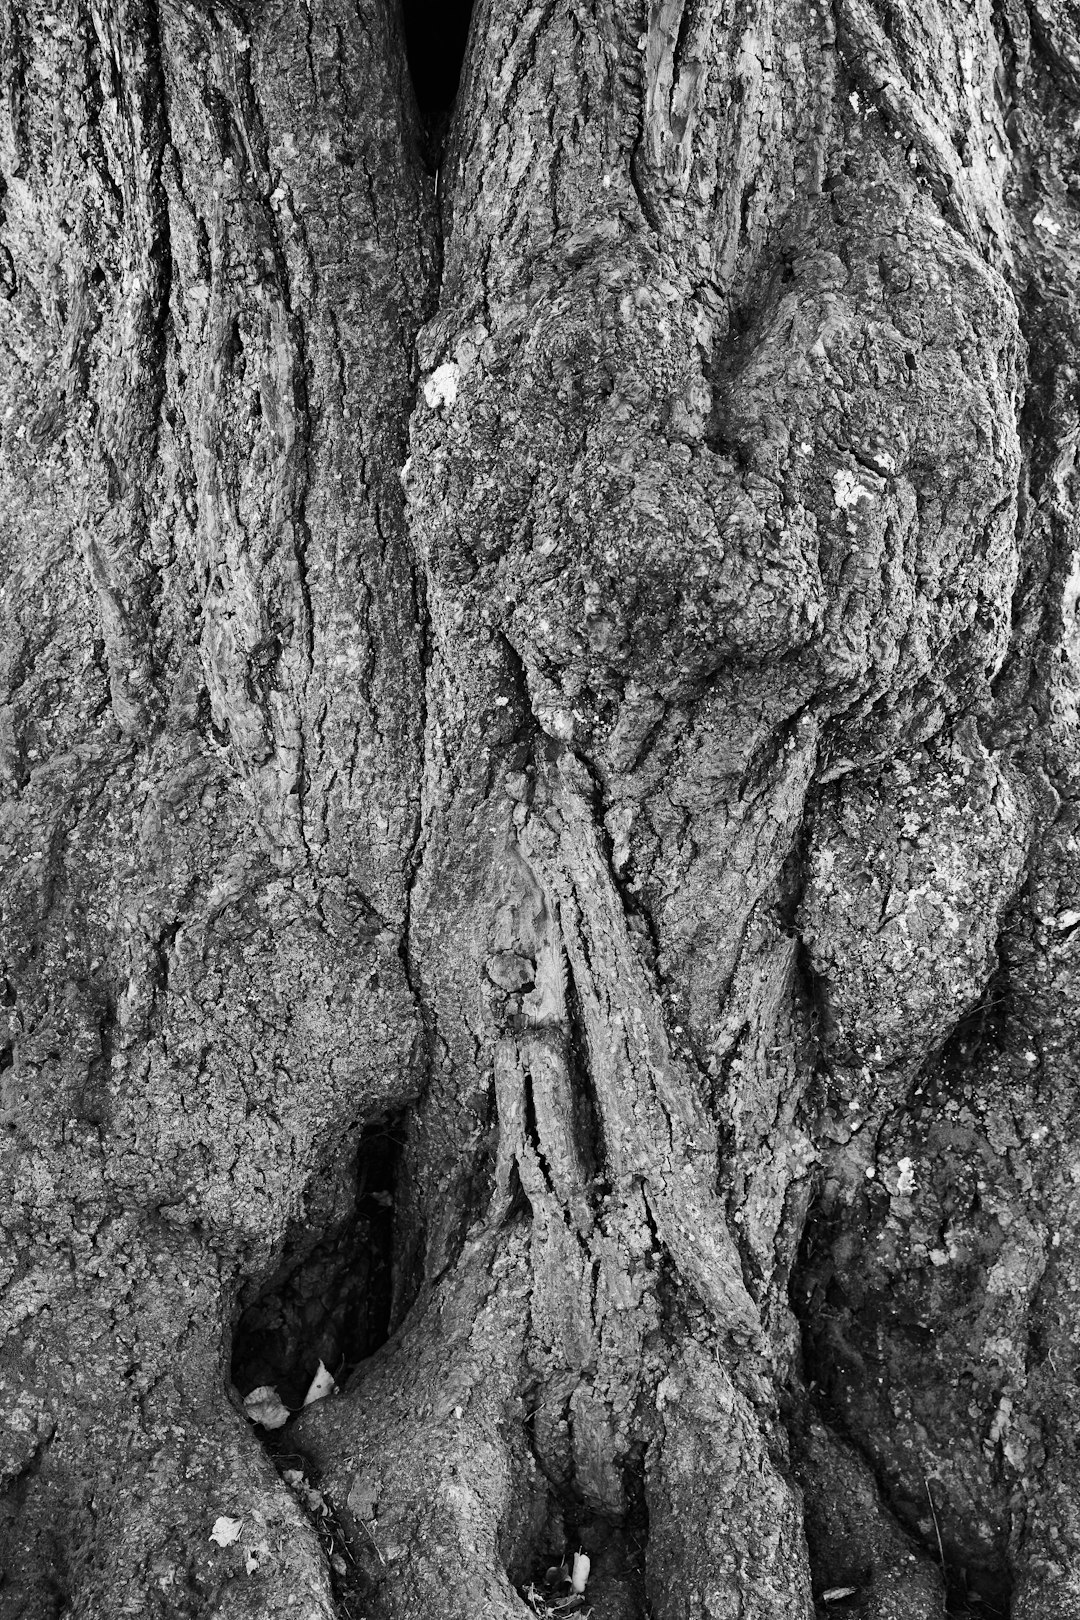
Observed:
{"x":265,"y":1407}
{"x":226,"y":1530}
{"x":321,"y":1386}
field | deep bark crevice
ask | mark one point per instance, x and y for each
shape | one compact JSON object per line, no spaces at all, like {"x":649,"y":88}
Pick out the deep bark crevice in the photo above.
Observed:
{"x":587,"y":1118}
{"x":436,"y":35}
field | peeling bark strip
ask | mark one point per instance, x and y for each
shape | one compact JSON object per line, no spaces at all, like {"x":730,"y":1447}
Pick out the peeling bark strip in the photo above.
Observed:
{"x":540,"y":686}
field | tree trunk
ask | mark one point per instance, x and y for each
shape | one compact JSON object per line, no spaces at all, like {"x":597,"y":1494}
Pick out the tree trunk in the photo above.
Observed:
{"x":539,"y":853}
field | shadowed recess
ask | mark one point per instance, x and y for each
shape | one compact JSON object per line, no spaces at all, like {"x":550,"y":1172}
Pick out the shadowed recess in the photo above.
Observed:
{"x":330,"y":1300}
{"x":435,"y":38}
{"x":845,"y":1348}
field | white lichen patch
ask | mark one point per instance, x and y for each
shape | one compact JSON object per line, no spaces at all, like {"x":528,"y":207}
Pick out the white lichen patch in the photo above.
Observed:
{"x":558,"y":723}
{"x":905,"y":1177}
{"x":441,"y":386}
{"x":848,"y":491}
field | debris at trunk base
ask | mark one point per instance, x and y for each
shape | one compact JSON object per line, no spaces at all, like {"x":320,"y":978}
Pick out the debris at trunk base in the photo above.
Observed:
{"x":321,"y":1386}
{"x":552,"y":1598}
{"x":265,"y":1407}
{"x":579,"y":1575}
{"x":351,"y":1593}
{"x":547,"y":1607}
{"x":226,"y":1531}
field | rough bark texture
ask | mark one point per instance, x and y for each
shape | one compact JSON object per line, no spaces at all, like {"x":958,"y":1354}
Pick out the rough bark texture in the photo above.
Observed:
{"x":539,"y":854}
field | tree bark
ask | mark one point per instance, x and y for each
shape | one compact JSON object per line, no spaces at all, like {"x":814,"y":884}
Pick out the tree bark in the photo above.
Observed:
{"x":539,"y":853}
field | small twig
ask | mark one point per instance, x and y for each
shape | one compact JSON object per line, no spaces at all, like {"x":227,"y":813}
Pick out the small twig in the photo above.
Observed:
{"x":549,"y":1400}
{"x":374,"y":1543}
{"x":940,"y":1548}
